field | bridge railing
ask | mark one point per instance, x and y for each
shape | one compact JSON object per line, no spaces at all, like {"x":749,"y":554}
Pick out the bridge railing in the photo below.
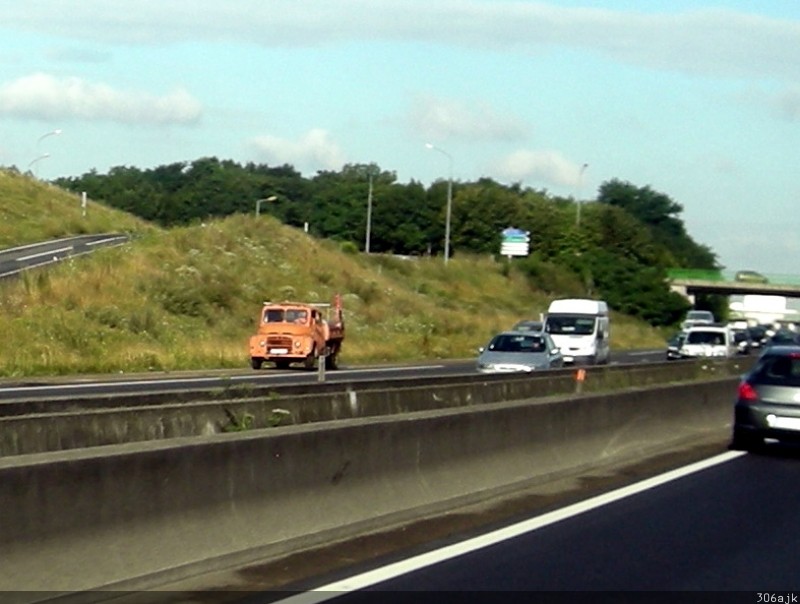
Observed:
{"x":689,"y":274}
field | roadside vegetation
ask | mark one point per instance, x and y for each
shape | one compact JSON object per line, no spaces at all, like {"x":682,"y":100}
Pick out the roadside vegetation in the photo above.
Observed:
{"x":187,"y":297}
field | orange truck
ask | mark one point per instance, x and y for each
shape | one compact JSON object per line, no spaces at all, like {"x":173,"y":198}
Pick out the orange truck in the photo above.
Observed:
{"x":298,"y":332}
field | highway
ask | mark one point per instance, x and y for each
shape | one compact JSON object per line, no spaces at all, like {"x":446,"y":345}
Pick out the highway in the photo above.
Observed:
{"x":210,"y":380}
{"x":17,"y":259}
{"x":726,"y":523}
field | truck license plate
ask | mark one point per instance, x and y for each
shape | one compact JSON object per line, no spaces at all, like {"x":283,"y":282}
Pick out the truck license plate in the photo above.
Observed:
{"x":278,"y":350}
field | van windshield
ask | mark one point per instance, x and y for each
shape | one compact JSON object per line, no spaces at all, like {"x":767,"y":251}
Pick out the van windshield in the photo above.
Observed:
{"x":573,"y":325}
{"x":714,"y":338}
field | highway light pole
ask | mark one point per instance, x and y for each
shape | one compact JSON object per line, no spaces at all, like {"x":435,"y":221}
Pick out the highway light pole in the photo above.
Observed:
{"x":55,"y":132}
{"x":449,"y":200}
{"x":369,"y":215}
{"x":578,"y":200}
{"x":35,"y":161}
{"x":260,"y":201}
{"x":40,"y":156}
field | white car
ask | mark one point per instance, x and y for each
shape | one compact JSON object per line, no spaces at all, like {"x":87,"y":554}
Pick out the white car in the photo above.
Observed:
{"x":697,"y":317}
{"x":714,"y":341}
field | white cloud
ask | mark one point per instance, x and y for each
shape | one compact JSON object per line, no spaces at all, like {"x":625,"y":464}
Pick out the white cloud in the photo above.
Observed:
{"x":440,"y":119}
{"x":720,"y":42}
{"x":547,"y":167}
{"x":45,"y":97}
{"x":314,"y":151}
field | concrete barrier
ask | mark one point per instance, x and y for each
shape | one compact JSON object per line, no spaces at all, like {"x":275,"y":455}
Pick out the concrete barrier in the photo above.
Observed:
{"x":136,"y":515}
{"x":28,"y":427}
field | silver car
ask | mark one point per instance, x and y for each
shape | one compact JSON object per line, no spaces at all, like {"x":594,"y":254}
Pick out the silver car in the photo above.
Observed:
{"x":519,"y":351}
{"x":768,"y":400}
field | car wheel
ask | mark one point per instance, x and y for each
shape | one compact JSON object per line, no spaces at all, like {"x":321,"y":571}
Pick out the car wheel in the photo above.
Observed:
{"x":744,"y":441}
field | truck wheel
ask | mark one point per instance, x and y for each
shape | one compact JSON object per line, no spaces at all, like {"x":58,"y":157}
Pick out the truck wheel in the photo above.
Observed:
{"x":332,"y":361}
{"x":256,"y":362}
{"x":311,"y":360}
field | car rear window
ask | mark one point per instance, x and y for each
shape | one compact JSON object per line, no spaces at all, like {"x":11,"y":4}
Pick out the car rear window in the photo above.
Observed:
{"x":780,"y":370}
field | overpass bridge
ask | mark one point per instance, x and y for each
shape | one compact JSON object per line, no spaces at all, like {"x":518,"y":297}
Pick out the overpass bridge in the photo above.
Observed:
{"x":689,"y":283}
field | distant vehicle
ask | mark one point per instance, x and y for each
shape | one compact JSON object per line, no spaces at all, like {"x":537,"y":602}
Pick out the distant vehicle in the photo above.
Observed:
{"x":528,"y":325}
{"x":581,"y":328}
{"x":697,"y":317}
{"x":715,"y":341}
{"x":674,"y":346}
{"x":750,"y":277}
{"x":519,"y":351}
{"x":768,"y":400}
{"x":758,"y":336}
{"x":742,"y":339}
{"x":782,"y":337}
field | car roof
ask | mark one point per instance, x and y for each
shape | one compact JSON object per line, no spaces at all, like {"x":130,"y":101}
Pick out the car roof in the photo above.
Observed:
{"x":708,"y":327}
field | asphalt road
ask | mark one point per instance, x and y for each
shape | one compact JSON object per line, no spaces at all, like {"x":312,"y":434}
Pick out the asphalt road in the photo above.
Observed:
{"x":15,"y":260}
{"x":729,"y":525}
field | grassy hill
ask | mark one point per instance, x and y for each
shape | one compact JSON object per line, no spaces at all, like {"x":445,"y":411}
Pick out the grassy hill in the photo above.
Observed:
{"x":188,"y":298}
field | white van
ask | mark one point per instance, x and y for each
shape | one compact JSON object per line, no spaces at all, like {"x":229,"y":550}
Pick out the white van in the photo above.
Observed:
{"x":581,"y":329}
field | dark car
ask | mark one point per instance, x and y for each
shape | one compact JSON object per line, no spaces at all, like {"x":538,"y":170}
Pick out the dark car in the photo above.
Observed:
{"x":758,"y":336}
{"x":674,"y":345}
{"x":528,"y":325}
{"x":783,"y":337}
{"x":750,"y":277}
{"x":768,"y":399}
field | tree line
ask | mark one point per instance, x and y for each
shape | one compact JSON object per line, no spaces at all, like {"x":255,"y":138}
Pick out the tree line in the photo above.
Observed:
{"x":618,"y":245}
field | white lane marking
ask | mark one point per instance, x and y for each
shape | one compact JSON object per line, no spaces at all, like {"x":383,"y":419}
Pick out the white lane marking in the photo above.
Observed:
{"x":105,"y":241}
{"x":378,"y":575}
{"x":48,"y":253}
{"x":154,"y":382}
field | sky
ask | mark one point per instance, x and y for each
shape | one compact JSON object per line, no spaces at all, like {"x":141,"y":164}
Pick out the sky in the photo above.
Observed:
{"x":697,"y":100}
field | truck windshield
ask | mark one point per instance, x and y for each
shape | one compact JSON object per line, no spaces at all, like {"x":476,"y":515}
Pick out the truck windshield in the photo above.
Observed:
{"x":573,"y":325}
{"x":273,"y":315}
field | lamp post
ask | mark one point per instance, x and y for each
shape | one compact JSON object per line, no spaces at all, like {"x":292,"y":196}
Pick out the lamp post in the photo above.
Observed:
{"x":34,"y":161}
{"x":578,"y":201}
{"x":259,"y":202}
{"x":369,"y":215}
{"x":449,"y":200}
{"x":55,"y":132}
{"x":41,"y":156}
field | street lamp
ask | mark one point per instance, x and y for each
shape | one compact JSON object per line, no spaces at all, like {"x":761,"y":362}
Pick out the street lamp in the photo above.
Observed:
{"x":449,"y":200}
{"x":44,"y":156}
{"x":578,"y":201}
{"x":369,"y":215}
{"x":55,"y":132}
{"x":259,"y":201}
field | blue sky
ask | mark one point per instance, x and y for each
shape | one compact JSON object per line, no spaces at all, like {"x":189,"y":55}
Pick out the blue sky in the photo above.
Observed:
{"x":698,"y":100}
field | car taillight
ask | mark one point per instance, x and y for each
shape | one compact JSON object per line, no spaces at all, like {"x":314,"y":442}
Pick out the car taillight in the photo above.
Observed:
{"x":747,"y":392}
